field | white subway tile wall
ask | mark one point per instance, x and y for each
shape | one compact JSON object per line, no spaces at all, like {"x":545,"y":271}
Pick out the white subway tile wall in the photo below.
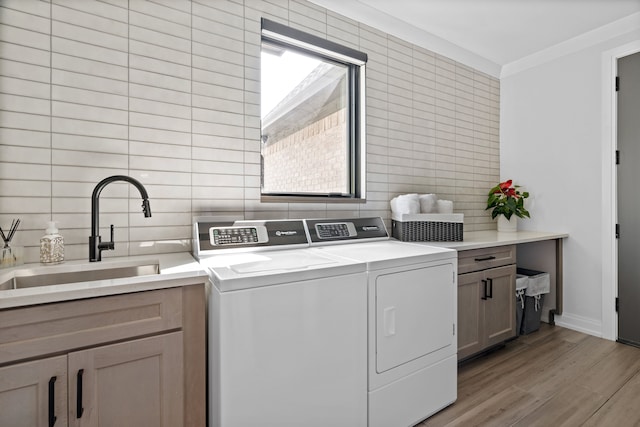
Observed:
{"x":168,"y":92}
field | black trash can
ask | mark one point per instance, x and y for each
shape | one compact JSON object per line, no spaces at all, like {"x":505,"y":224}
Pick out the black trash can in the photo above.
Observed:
{"x":538,"y":284}
{"x":532,"y":314}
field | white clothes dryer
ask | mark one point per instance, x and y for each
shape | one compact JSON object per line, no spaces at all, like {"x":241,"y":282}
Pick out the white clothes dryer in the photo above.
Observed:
{"x":412,"y":312}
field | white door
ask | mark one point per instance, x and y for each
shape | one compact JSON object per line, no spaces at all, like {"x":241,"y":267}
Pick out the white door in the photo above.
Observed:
{"x":414,"y":314}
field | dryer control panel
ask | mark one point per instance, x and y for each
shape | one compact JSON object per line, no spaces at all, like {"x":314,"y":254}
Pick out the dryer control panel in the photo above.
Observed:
{"x":334,"y":230}
{"x":322,"y":231}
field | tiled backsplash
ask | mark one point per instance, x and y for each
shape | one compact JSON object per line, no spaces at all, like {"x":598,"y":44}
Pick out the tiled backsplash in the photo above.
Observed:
{"x":168,"y":92}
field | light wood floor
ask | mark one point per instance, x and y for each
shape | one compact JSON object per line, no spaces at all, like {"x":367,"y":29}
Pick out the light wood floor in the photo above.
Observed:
{"x":553,"y":377}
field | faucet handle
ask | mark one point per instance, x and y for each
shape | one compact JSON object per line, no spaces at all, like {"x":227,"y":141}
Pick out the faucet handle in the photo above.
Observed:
{"x":110,"y":245}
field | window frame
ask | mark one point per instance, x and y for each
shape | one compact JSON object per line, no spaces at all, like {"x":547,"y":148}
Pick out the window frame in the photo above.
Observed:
{"x":290,"y":38}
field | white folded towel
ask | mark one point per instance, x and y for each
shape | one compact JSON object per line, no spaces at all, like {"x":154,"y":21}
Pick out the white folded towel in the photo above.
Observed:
{"x":405,"y":204}
{"x":428,"y":203}
{"x":444,"y":206}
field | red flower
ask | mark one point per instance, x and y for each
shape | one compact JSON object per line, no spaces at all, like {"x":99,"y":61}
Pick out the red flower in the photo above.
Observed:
{"x":505,"y":185}
{"x":506,"y":189}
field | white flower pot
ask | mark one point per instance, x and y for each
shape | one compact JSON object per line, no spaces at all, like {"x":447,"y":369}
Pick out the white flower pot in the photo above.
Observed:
{"x":507,"y":226}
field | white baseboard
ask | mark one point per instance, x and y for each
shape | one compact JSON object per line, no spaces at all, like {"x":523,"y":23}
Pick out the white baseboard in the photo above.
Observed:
{"x":579,"y":323}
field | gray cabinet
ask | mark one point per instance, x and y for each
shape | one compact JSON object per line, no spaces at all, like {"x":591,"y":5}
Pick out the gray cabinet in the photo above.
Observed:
{"x":135,"y":359}
{"x":486,"y":303}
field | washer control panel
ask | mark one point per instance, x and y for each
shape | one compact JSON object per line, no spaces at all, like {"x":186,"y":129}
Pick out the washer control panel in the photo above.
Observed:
{"x":214,"y":236}
{"x":222,"y":236}
{"x":333,"y":230}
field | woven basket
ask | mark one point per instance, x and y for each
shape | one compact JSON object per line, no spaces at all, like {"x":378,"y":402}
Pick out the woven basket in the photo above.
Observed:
{"x":428,"y":227}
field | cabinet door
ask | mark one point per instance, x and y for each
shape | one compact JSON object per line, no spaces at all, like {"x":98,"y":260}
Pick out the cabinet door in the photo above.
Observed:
{"x":499,"y":308}
{"x":131,"y":384}
{"x":34,"y":394}
{"x":470,"y":317}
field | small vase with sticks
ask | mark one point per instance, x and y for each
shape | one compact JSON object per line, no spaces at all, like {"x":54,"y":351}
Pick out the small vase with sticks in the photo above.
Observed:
{"x":10,"y":256}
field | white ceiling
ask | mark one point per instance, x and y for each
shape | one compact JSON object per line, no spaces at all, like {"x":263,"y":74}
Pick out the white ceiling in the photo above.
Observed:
{"x":490,"y":34}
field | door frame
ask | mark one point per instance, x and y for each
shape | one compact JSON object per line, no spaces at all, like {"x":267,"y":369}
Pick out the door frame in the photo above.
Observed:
{"x":610,"y":186}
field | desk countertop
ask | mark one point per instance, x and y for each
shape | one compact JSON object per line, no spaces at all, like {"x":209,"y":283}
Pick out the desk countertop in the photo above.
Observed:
{"x":492,"y":238}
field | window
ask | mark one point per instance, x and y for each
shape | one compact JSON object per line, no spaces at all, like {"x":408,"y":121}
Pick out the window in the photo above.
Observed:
{"x":312,"y":110}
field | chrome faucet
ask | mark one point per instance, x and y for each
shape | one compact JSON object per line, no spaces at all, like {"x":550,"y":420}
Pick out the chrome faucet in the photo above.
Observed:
{"x":96,"y":245}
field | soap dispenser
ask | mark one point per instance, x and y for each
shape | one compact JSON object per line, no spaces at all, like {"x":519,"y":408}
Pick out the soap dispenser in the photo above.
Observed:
{"x":51,"y":245}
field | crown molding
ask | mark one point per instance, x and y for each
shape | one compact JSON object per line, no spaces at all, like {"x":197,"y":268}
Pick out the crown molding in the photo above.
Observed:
{"x":575,"y":44}
{"x":375,"y":18}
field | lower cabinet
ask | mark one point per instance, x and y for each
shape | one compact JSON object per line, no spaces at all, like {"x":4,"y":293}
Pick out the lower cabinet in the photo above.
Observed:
{"x":133,"y":381}
{"x":136,"y":383}
{"x":486,"y":309}
{"x":34,"y":394}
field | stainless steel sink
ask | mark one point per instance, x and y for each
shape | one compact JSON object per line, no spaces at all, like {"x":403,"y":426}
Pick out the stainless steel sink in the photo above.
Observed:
{"x":8,"y":284}
{"x":32,"y":279}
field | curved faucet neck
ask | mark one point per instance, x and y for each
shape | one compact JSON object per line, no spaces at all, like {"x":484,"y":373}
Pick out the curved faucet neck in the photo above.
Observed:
{"x":98,"y":189}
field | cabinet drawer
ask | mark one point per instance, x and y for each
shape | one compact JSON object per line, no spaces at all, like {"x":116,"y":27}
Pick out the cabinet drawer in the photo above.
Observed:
{"x":481,"y":259}
{"x":60,"y":327}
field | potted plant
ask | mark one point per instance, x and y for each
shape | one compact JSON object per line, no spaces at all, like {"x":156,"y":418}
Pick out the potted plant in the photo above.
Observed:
{"x":507,"y":201}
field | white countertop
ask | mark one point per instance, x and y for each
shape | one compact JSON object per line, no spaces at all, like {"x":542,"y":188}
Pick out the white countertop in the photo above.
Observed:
{"x":492,"y":238}
{"x":176,"y":269}
{"x":180,"y":269}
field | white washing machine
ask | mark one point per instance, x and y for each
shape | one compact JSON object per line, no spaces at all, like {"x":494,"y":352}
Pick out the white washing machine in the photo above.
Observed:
{"x":412,"y":312}
{"x":287,"y":328}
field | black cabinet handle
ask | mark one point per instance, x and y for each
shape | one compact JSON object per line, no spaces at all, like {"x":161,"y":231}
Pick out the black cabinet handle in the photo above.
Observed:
{"x":490,"y":288}
{"x":484,"y":282}
{"x":79,"y":408}
{"x":52,"y":401}
{"x":487,"y":258}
